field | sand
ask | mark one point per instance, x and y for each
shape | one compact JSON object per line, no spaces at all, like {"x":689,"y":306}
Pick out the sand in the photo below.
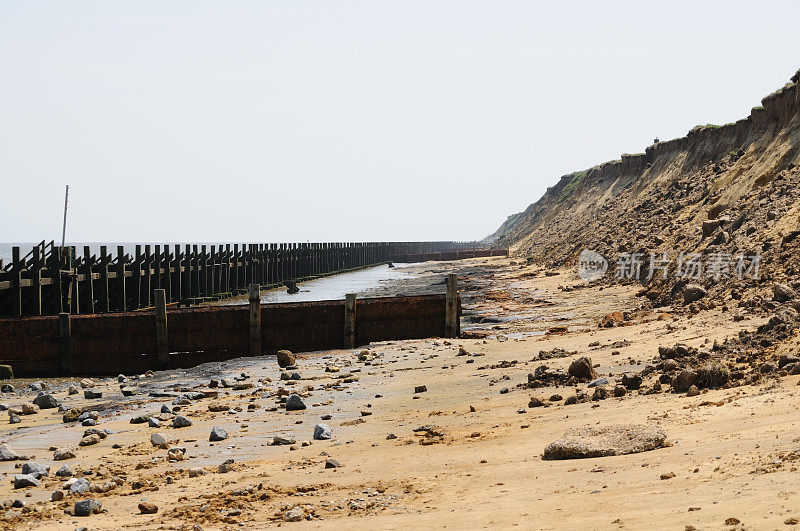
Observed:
{"x":729,"y":454}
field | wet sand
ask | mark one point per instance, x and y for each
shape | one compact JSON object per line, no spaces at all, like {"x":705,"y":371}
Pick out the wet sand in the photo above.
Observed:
{"x":732,"y":451}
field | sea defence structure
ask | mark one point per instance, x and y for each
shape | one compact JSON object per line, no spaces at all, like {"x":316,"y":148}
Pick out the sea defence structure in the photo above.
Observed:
{"x":51,"y":279}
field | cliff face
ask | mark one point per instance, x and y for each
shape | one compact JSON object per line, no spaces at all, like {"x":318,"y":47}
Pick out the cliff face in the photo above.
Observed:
{"x":652,"y":199}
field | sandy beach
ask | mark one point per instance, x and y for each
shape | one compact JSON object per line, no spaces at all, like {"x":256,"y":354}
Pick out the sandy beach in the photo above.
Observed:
{"x":465,"y":452}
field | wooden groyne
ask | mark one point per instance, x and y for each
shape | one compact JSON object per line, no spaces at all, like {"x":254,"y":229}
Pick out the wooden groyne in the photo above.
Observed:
{"x":134,"y":342}
{"x":50,"y":279}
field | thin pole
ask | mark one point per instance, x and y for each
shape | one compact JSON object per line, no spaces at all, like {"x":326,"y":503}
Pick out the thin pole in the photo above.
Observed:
{"x":64,"y":230}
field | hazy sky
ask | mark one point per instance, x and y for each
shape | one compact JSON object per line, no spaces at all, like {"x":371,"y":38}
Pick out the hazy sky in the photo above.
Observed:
{"x":354,"y":120}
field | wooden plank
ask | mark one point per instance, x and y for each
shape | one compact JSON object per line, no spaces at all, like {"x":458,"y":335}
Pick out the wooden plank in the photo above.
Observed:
{"x":452,"y":328}
{"x":65,"y":343}
{"x":255,"y":320}
{"x":350,"y":320}
{"x":162,"y":341}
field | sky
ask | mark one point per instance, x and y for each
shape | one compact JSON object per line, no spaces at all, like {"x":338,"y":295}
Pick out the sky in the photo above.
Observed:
{"x":350,"y":120}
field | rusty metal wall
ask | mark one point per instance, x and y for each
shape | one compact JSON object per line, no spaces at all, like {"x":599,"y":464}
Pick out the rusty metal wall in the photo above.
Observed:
{"x":109,"y":344}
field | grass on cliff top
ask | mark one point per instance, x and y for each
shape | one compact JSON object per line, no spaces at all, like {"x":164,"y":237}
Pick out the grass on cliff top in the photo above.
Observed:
{"x":573,"y":183}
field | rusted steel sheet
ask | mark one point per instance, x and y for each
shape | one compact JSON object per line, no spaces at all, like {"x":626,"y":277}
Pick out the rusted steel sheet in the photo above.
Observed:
{"x":109,"y":344}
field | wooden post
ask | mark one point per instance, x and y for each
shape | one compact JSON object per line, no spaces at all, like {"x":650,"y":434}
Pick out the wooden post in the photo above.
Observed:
{"x":350,"y":320}
{"x":16,"y":281}
{"x":451,"y":325}
{"x":122,"y":298}
{"x":255,"y":320}
{"x":65,"y":342}
{"x":162,"y":343}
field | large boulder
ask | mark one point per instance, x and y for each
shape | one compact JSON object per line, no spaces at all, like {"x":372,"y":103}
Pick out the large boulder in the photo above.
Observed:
{"x":6,"y":372}
{"x":582,"y":369}
{"x":598,"y":441}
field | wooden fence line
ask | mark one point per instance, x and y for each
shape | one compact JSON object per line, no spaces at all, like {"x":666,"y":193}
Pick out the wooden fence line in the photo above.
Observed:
{"x":50,"y":279}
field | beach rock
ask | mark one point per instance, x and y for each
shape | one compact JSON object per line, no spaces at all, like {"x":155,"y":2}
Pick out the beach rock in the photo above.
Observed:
{"x":597,"y":382}
{"x":332,"y":463}
{"x":600,"y":393}
{"x":13,"y":418}
{"x":46,"y":401}
{"x":783,"y":293}
{"x":96,"y":431}
{"x":166,"y":409}
{"x":693,"y":391}
{"x":90,"y":440}
{"x":194,"y":472}
{"x":597,"y":441}
{"x":620,"y":390}
{"x":7,"y":454}
{"x":535,"y":402}
{"x":684,"y":380}
{"x":72,"y":415}
{"x":295,"y":514}
{"x":582,"y":369}
{"x":6,"y":388}
{"x":87,"y":507}
{"x":420,"y":389}
{"x":294,"y":403}
{"x":6,"y":373}
{"x":153,"y":422}
{"x":176,"y":454}
{"x":64,"y":472}
{"x":86,"y":383}
{"x":148,"y":508}
{"x":57,"y":496}
{"x":128,"y":391}
{"x":631,"y":381}
{"x":25,"y":480}
{"x":322,"y":432}
{"x":279,"y":440}
{"x":89,"y":394}
{"x":61,"y":454}
{"x":693,"y":293}
{"x":72,"y":390}
{"x":181,"y":422}
{"x":35,"y":469}
{"x":285,"y":358}
{"x":29,"y":408}
{"x":141,"y":419}
{"x":226,"y":466}
{"x":89,"y":422}
{"x":79,"y":486}
{"x":217,"y":434}
{"x":158,"y":440}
